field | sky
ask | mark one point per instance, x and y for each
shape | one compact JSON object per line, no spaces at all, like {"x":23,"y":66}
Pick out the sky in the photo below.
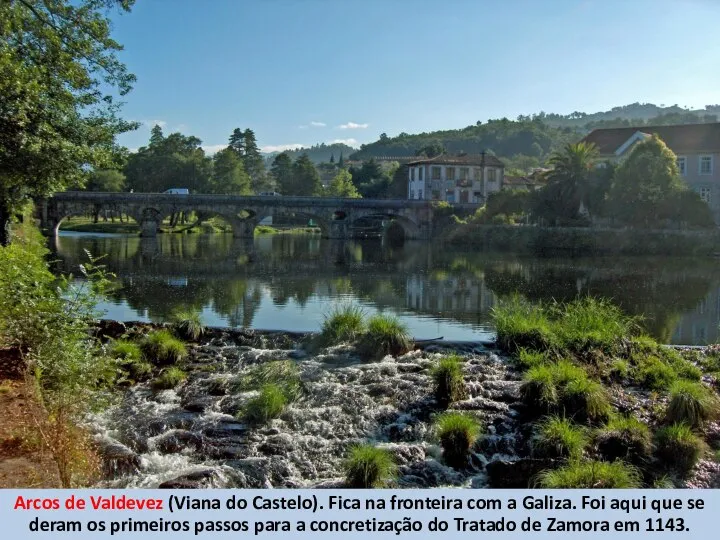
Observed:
{"x":301,"y":72}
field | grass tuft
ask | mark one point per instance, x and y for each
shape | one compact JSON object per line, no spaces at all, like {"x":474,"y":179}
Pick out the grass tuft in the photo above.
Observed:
{"x":187,"y":325}
{"x":457,"y":433}
{"x":448,"y":380}
{"x":558,"y":437}
{"x":591,"y":475}
{"x":268,"y":404}
{"x":169,"y":378}
{"x":624,"y":437}
{"x":281,"y":373}
{"x":162,"y":348}
{"x":369,"y":467}
{"x":385,"y":335}
{"x":679,"y":447}
{"x":344,"y":323}
{"x":523,"y":325}
{"x":130,"y":360}
{"x":692,"y":403}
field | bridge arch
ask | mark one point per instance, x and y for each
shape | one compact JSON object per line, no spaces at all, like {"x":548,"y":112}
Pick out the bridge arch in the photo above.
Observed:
{"x":410,"y":229}
{"x":322,"y":220}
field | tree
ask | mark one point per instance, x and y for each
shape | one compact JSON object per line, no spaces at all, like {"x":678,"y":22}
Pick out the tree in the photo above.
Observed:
{"x":237,"y":142}
{"x":107,"y":180}
{"x":341,"y":161}
{"x":254,"y":162}
{"x":342,"y":186}
{"x":229,"y":176}
{"x":59,"y":82}
{"x":332,"y":158}
{"x":306,"y":180}
{"x":282,"y":171}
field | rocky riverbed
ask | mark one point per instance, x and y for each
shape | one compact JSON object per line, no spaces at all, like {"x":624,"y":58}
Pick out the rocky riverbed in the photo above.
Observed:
{"x":190,"y":436}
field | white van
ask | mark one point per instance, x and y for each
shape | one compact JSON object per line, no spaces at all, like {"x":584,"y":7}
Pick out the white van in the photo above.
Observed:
{"x":178,"y":191}
{"x":269,"y":194}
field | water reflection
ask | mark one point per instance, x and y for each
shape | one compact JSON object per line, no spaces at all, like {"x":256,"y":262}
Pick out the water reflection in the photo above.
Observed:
{"x":289,"y":281}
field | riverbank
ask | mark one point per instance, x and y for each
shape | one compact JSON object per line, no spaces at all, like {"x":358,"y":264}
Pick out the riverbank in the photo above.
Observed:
{"x":211,"y":226}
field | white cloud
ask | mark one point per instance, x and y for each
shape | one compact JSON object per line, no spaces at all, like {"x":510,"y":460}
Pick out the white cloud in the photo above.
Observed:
{"x":280,"y":147}
{"x":349,"y":142}
{"x":318,"y":124}
{"x":211,"y":149}
{"x":352,"y":125}
{"x":152,"y":123}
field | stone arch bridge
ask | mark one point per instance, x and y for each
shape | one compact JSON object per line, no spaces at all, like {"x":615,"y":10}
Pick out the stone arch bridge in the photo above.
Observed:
{"x":334,"y":216}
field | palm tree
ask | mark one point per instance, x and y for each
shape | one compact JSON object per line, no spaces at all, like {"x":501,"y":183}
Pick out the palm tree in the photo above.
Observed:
{"x":571,"y":175}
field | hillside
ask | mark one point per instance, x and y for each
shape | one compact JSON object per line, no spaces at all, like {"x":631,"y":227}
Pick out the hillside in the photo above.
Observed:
{"x":319,"y":153}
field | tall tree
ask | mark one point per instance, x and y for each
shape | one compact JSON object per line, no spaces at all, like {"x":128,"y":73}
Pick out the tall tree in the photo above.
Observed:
{"x":342,"y":186}
{"x":59,"y":82}
{"x":254,"y":162}
{"x":237,"y":142}
{"x":306,"y":180}
{"x":107,"y":180}
{"x":229,"y":176}
{"x":332,"y":158}
{"x":282,"y":171}
{"x":341,"y":161}
{"x":156,"y":136}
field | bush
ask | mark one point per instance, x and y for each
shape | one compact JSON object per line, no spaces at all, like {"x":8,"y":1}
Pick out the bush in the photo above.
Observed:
{"x":169,"y":378}
{"x":160,"y":347}
{"x":624,"y":438}
{"x":679,"y":447}
{"x":448,"y":380}
{"x":691,"y":403}
{"x":187,"y":325}
{"x":591,"y":475}
{"x":385,"y":335}
{"x":559,"y":438}
{"x":457,"y":433}
{"x":268,"y":404}
{"x":344,"y":323}
{"x":369,"y":467}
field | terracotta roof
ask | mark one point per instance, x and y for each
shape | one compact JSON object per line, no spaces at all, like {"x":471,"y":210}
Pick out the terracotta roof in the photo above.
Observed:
{"x":518,"y":181}
{"x":685,"y":138}
{"x":468,"y":159}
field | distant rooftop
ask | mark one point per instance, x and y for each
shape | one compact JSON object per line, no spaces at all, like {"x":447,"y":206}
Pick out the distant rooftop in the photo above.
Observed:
{"x":684,"y":138}
{"x":467,"y":159}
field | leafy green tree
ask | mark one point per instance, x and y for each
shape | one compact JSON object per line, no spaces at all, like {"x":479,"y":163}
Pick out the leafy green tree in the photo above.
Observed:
{"x":59,"y":82}
{"x":107,"y":180}
{"x":282,"y":171}
{"x":342,"y":186}
{"x":229,"y":176}
{"x":306,"y":180}
{"x":237,"y":142}
{"x":254,"y":162}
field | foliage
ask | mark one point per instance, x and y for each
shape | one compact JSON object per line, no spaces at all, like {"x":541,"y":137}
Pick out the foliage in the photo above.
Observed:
{"x":228,"y":174}
{"x":282,"y":172}
{"x":591,"y":474}
{"x":169,"y":378}
{"x":457,"y":433}
{"x":344,"y":323}
{"x":448,"y":380}
{"x":654,"y":373}
{"x":305,"y":178}
{"x":521,"y":324}
{"x":369,"y":467}
{"x":59,"y":81}
{"x":385,"y":335}
{"x":558,"y":437}
{"x":679,"y":447}
{"x":624,"y":437}
{"x":692,"y":403}
{"x":342,"y":186}
{"x":187,"y":324}
{"x":282,"y":374}
{"x":268,"y":404}
{"x":130,"y":358}
{"x":162,"y":348}
{"x":107,"y":180}
{"x":528,"y":359}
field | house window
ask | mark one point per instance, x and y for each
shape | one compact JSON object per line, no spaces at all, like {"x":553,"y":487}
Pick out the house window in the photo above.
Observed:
{"x":435,"y":173}
{"x":412,"y":193}
{"x":450,"y":196}
{"x":464,"y":173}
{"x":477,"y":196}
{"x":706,"y":165}
{"x":491,"y":175}
{"x":449,"y":184}
{"x":705,"y":194}
{"x":477,"y":172}
{"x":450,"y":173}
{"x":682,"y":165}
{"x":419,"y":193}
{"x":421,"y":173}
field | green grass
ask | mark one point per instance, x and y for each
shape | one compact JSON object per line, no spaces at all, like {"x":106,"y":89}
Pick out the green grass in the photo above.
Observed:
{"x":268,"y":404}
{"x":539,"y":388}
{"x":624,"y":437}
{"x":679,"y":447}
{"x":169,"y":378}
{"x":187,"y":325}
{"x":448,"y":381}
{"x":523,"y":325}
{"x":457,"y":433}
{"x":591,"y":474}
{"x":655,"y":374}
{"x":558,"y":437}
{"x":282,"y":374}
{"x":692,"y":403}
{"x":345,"y":323}
{"x":619,"y":369}
{"x":528,"y":359}
{"x":265,"y":229}
{"x":369,"y":467}
{"x":385,"y":335}
{"x":162,"y":348}
{"x":584,"y":399}
{"x":131,"y":360}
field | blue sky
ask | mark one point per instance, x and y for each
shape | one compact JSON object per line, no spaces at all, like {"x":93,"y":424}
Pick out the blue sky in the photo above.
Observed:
{"x":300,"y":72}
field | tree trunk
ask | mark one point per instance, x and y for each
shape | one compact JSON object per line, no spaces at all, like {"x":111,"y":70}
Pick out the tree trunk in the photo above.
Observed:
{"x":4,"y":224}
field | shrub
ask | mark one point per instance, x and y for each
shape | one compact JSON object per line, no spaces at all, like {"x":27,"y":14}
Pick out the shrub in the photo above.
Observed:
{"x":268,"y":404}
{"x":679,"y":447}
{"x":169,"y":378}
{"x":160,"y":347}
{"x":558,"y":437}
{"x":457,"y":433}
{"x":448,"y":380}
{"x":691,"y":403}
{"x":385,"y":334}
{"x":369,"y":467}
{"x":624,"y":437}
{"x":591,"y":475}
{"x":343,"y":324}
{"x":187,"y":325}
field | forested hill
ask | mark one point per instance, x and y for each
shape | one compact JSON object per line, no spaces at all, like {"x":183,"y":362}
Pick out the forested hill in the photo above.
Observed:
{"x":319,"y":153}
{"x":532,"y":137}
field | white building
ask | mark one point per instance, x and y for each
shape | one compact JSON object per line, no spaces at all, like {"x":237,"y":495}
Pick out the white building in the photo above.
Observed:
{"x":457,"y":179}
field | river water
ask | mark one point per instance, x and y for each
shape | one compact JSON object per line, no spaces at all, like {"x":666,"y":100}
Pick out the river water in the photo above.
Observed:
{"x":290,"y":281}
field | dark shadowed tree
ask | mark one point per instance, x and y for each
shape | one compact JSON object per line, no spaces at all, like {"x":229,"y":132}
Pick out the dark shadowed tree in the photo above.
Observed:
{"x":282,"y":172}
{"x":306,"y":180}
{"x":228,"y":175}
{"x":108,"y":180}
